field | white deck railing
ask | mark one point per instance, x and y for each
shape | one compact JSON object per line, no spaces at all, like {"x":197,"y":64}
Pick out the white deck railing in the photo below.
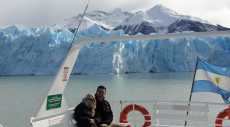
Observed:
{"x":163,"y":114}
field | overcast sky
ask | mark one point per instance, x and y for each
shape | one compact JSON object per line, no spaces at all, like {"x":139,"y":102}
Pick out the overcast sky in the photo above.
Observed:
{"x":48,"y":12}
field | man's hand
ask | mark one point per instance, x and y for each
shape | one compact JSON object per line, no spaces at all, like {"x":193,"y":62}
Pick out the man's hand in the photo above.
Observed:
{"x":91,"y":120}
{"x":104,"y":125}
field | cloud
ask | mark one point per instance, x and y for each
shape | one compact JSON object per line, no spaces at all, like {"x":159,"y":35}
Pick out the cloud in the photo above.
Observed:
{"x":221,"y":16}
{"x":214,"y":11}
{"x":37,"y":12}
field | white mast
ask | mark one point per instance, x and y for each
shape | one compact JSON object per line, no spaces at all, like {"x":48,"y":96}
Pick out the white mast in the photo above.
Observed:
{"x":54,"y":103}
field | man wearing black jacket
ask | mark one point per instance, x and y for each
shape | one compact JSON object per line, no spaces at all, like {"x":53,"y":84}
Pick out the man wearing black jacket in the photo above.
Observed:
{"x":103,"y":113}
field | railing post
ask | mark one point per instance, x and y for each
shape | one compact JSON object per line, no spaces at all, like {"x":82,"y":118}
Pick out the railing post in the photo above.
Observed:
{"x":121,"y":104}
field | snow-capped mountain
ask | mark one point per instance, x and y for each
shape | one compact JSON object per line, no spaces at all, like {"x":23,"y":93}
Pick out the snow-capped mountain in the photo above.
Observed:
{"x":158,"y":16}
{"x":107,"y":20}
{"x":189,"y":25}
{"x":158,"y":19}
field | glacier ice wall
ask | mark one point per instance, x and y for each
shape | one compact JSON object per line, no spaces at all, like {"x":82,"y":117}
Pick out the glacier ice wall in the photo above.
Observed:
{"x":41,"y":51}
{"x":172,"y":55}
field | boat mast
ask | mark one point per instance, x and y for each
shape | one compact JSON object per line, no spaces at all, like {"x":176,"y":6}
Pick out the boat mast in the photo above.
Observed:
{"x":54,"y":102}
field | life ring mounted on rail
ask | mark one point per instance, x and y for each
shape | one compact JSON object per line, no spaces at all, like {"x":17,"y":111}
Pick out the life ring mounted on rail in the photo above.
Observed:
{"x":134,"y":107}
{"x":221,"y":116}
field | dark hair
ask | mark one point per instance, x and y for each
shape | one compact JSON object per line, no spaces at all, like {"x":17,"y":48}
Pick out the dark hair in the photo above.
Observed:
{"x":101,"y":87}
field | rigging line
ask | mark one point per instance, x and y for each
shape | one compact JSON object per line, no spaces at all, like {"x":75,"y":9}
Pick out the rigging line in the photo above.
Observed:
{"x":82,"y":16}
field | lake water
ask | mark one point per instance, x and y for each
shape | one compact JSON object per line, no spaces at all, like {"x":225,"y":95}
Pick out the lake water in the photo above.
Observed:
{"x":21,"y":96}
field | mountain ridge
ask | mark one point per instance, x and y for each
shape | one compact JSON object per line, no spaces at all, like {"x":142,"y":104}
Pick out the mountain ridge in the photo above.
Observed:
{"x":158,"y":19}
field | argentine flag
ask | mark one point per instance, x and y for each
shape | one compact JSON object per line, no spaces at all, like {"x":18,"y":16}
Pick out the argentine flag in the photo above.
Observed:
{"x":211,"y":78}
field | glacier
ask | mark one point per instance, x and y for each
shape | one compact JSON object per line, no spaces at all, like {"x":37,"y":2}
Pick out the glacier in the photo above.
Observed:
{"x":41,"y":50}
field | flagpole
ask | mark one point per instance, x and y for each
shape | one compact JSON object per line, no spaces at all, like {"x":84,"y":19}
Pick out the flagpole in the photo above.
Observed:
{"x":190,"y":97}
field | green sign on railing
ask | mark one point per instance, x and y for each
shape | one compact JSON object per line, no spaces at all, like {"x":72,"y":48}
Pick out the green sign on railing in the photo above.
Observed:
{"x":54,"y":101}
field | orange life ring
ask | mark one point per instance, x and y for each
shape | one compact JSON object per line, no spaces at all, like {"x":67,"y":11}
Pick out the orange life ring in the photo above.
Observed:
{"x":141,"y":109}
{"x":222,"y":115}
